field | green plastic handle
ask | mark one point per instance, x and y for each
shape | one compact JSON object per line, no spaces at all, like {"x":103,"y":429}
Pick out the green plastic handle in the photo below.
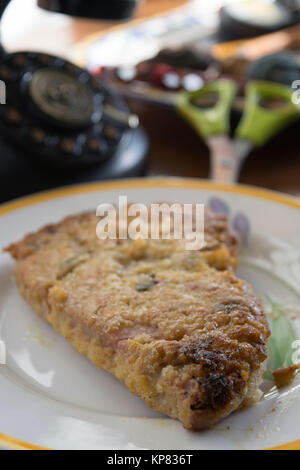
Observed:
{"x":214,"y":120}
{"x":259,"y":124}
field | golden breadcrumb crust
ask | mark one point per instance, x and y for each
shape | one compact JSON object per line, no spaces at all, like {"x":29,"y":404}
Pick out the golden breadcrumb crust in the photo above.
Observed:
{"x":176,"y":326}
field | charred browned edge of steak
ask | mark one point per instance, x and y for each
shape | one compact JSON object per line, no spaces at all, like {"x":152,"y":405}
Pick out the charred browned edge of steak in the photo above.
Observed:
{"x":225,"y":368}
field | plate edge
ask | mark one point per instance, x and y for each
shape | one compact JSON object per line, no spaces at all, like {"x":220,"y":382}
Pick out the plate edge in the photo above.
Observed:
{"x":189,"y":183}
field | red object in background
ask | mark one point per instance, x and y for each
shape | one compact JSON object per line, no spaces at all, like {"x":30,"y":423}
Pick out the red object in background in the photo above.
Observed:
{"x":161,"y":76}
{"x":97,"y":71}
{"x":157,"y":74}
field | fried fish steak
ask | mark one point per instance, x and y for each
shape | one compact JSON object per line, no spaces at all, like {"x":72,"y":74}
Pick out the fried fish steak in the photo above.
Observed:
{"x":177,"y":327}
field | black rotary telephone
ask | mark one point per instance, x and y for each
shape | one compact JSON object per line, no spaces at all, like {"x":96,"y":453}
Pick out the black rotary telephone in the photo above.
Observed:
{"x":64,"y":124}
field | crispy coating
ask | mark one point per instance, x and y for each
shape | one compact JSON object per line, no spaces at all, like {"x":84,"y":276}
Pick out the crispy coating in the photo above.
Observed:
{"x":285,"y":375}
{"x":177,"y":327}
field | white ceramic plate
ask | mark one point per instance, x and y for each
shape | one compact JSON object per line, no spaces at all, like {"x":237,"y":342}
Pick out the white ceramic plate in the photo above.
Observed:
{"x":55,"y":398}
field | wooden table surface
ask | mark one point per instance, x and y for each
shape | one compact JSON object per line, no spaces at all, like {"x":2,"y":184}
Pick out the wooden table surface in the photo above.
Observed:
{"x":175,"y":148}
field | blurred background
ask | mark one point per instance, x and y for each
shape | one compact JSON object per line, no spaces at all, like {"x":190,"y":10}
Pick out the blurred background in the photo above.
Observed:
{"x":129,"y":106}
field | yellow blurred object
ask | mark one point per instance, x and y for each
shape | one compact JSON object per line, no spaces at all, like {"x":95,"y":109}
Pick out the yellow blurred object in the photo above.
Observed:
{"x":252,"y":49}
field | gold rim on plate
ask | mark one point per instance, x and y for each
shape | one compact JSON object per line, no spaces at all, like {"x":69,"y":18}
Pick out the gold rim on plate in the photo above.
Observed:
{"x":186,"y":183}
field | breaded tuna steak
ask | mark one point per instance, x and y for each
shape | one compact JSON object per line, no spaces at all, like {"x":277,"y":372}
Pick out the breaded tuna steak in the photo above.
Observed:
{"x":176,"y":326}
